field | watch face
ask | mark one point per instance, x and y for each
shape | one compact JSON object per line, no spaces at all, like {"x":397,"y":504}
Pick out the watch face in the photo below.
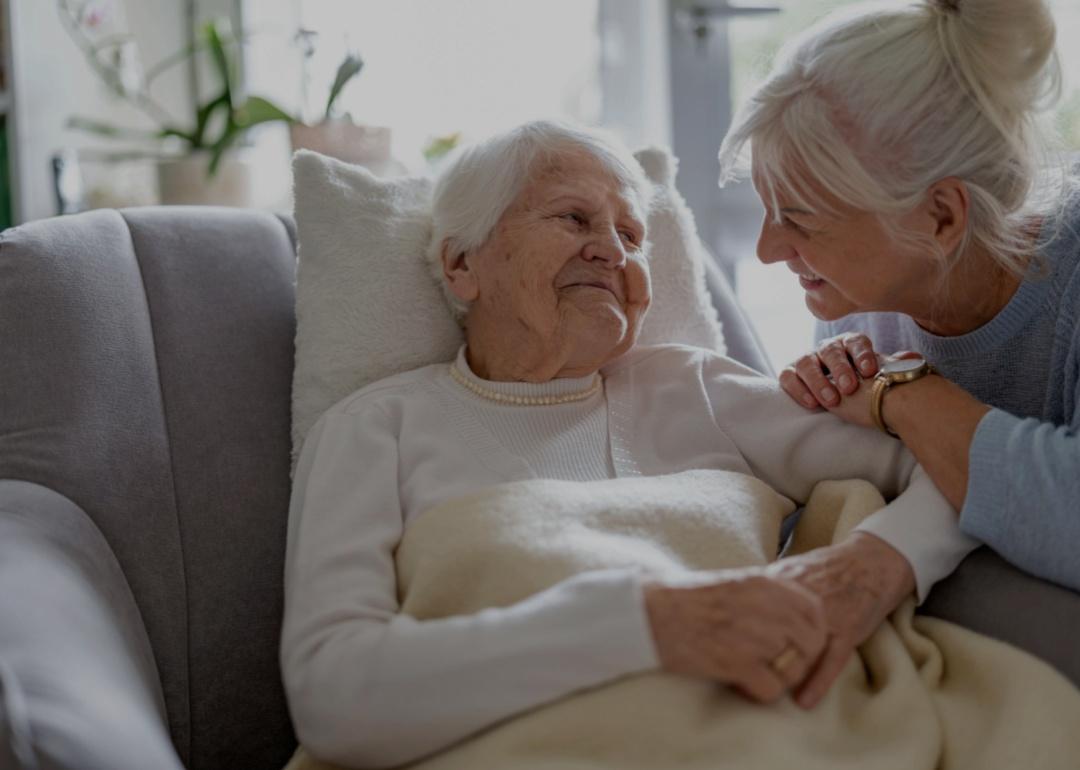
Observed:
{"x":903,"y":365}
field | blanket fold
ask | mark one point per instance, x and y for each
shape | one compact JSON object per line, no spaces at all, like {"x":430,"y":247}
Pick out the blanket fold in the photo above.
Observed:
{"x":921,"y":693}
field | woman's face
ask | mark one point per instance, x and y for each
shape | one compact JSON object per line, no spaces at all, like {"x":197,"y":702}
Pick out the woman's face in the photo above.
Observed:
{"x":846,"y":263}
{"x":562,"y":281}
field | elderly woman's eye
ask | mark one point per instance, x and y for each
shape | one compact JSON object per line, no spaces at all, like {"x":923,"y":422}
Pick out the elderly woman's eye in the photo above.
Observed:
{"x":629,"y":236}
{"x":575,"y":217}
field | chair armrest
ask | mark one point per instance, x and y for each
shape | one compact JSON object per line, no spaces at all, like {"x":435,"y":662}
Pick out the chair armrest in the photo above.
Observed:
{"x":80,"y":686}
{"x":990,"y":596}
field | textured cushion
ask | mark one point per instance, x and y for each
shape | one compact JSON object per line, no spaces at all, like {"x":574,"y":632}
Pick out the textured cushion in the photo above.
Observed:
{"x":367,"y":306}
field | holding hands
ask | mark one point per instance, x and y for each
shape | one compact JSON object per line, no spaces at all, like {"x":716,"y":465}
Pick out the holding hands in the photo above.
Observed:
{"x":838,"y":376}
{"x":834,"y":370}
{"x":790,"y":626}
{"x":756,"y":631}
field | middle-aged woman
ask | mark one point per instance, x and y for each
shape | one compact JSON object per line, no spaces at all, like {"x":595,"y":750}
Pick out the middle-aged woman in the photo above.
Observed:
{"x":540,"y":238}
{"x":907,"y":182}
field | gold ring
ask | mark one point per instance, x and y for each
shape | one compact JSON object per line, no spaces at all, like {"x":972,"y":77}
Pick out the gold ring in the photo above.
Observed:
{"x":785,"y":659}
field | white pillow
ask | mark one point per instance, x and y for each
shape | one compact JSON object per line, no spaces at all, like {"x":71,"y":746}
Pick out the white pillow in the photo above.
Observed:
{"x":367,"y":306}
{"x":681,"y":309}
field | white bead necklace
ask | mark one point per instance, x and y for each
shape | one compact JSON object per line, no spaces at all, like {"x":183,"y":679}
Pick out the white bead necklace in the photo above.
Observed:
{"x":507,"y":398}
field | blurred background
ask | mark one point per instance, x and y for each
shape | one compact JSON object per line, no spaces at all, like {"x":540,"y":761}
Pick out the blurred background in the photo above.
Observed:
{"x":136,"y":102}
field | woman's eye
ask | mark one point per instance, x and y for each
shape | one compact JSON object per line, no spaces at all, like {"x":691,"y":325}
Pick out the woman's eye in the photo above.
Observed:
{"x":793,"y":226}
{"x":629,"y":236}
{"x":575,"y":217}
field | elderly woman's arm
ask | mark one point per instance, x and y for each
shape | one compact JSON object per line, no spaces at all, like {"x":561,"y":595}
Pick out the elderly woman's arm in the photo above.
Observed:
{"x":792,"y":449}
{"x":864,"y":578}
{"x":370,"y":687}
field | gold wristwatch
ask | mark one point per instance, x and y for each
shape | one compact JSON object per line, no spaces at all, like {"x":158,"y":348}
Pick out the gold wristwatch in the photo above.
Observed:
{"x":895,"y":372}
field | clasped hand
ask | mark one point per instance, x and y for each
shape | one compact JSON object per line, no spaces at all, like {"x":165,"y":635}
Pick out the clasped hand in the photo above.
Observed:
{"x":791,"y":626}
{"x":837,"y":377}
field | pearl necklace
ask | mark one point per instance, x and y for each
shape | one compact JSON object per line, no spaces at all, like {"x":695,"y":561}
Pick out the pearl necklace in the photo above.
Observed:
{"x":507,"y":398}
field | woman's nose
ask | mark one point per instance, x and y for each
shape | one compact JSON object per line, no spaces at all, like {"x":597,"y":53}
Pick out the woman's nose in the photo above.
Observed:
{"x":606,"y":247}
{"x":771,"y":247}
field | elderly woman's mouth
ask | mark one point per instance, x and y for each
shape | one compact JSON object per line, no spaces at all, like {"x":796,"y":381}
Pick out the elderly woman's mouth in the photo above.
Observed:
{"x":594,"y":285}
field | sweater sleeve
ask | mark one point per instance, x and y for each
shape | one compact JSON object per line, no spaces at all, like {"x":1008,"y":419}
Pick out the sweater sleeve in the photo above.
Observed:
{"x":1023,"y":492}
{"x":792,"y":449}
{"x":368,"y":686}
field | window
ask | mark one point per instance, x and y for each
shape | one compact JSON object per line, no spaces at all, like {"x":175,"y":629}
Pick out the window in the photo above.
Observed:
{"x":469,"y":66}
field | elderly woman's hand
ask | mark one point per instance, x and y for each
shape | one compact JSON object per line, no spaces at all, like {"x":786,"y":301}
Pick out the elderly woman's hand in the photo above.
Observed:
{"x":834,"y":369}
{"x":758,"y":632}
{"x":860,"y":581}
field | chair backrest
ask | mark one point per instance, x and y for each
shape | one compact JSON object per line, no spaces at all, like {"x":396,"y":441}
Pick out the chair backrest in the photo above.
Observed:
{"x":146,"y":374}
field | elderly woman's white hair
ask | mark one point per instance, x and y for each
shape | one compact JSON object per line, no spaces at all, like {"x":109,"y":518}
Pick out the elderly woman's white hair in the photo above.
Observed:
{"x":483,"y":179}
{"x":877,"y":102}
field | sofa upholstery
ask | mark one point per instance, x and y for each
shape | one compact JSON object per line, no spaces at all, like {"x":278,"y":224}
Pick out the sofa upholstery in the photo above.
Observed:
{"x":145,"y":371}
{"x":147,"y":363}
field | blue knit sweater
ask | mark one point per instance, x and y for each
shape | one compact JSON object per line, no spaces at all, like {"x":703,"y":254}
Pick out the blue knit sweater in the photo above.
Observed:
{"x":1023,"y":494}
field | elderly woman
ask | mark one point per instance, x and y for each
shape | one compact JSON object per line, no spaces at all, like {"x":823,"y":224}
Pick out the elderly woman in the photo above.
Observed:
{"x":905,"y":176}
{"x":540,"y":236}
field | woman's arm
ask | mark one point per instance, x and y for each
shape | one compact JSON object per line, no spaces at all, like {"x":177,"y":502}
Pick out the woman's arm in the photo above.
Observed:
{"x":370,"y":687}
{"x":792,"y":449}
{"x":912,"y":542}
{"x":1015,"y":481}
{"x":1023,"y":495}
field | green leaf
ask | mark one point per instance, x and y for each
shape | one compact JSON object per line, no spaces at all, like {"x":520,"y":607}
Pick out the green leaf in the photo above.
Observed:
{"x":258,"y":110}
{"x":348,"y":69}
{"x":219,"y":149}
{"x":202,"y":118}
{"x":440,"y":145}
{"x":107,"y":129}
{"x":220,"y":58}
{"x":189,"y":138}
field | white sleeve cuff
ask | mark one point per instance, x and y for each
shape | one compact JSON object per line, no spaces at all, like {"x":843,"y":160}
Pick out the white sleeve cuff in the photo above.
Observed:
{"x":925,"y":532}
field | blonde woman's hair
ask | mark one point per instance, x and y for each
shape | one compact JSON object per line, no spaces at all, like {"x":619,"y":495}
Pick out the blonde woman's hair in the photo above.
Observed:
{"x":877,"y":102}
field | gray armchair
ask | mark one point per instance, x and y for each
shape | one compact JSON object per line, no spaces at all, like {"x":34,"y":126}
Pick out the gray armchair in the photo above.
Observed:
{"x":145,"y":371}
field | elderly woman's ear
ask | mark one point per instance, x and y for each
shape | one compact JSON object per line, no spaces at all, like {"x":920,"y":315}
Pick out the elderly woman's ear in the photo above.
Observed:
{"x":458,"y":272}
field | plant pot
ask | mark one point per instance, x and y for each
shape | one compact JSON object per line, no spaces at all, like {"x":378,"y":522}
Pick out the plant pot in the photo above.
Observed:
{"x":367,"y":146}
{"x":186,"y":181}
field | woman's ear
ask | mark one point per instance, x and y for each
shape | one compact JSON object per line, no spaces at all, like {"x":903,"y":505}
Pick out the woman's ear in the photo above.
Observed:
{"x":949,"y":203}
{"x":458,"y":272}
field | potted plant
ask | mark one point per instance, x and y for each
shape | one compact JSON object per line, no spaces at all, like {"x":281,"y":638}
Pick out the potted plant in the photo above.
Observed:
{"x":338,"y":135}
{"x":208,"y":165}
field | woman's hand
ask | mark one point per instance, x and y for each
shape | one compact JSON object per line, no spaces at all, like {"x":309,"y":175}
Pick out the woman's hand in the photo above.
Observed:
{"x":859,"y":581}
{"x":834,"y":369}
{"x":758,"y":632}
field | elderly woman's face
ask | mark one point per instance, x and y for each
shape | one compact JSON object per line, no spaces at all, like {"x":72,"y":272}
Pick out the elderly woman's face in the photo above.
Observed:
{"x":563,"y":274}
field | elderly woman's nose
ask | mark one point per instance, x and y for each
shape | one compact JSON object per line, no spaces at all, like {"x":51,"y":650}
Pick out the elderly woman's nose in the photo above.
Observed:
{"x":607,"y":247}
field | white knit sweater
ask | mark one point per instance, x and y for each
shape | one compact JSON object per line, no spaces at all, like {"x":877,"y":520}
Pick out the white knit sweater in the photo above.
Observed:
{"x":370,"y":687}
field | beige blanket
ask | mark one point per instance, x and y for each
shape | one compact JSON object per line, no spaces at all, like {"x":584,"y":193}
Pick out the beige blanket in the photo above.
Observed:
{"x":922,"y":693}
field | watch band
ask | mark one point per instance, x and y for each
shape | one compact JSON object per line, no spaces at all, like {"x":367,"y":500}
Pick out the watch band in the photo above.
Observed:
{"x":877,"y":397}
{"x":882,"y":383}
